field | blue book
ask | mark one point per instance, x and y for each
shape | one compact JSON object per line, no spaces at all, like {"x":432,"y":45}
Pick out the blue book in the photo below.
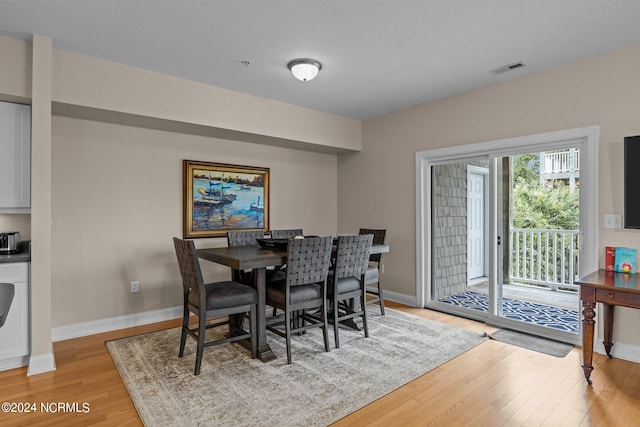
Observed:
{"x":625,"y":260}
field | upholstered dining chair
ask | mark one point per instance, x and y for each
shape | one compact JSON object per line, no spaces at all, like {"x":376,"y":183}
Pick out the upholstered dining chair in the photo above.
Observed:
{"x":372,"y":277}
{"x":304,"y":287}
{"x":212,"y":300}
{"x":7,"y":291}
{"x":243,"y":238}
{"x":346,"y":281}
{"x":286,"y":234}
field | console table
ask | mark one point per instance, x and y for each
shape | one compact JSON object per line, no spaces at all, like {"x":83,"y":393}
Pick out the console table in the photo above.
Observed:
{"x":610,"y":289}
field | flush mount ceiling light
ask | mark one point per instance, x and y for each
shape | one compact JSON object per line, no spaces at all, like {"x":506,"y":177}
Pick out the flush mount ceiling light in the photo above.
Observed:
{"x":304,"y":69}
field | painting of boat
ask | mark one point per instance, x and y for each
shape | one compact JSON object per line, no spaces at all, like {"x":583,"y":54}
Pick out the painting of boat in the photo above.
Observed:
{"x":215,"y":193}
{"x":221,"y":197}
{"x":257,"y":206}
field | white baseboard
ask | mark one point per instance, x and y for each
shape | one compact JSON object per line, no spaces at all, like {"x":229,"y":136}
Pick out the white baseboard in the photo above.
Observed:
{"x":76,"y":330}
{"x":620,"y":351}
{"x":82,"y":329}
{"x":14,"y":362}
{"x":41,"y":363}
{"x":409,"y":300}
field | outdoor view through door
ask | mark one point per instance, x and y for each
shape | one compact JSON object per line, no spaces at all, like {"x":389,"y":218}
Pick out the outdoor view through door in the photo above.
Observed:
{"x":536,"y":239}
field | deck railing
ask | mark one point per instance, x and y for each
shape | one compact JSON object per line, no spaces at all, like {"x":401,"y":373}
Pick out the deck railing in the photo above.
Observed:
{"x":547,"y":258}
{"x":560,"y":162}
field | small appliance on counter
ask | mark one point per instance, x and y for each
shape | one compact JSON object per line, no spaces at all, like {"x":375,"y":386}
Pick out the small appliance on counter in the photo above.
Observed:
{"x":10,"y":243}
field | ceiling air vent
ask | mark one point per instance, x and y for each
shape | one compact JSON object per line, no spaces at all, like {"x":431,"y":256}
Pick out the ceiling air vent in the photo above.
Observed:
{"x":508,"y":67}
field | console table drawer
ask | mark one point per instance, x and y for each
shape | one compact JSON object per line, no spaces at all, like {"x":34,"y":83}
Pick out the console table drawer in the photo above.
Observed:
{"x":617,"y":298}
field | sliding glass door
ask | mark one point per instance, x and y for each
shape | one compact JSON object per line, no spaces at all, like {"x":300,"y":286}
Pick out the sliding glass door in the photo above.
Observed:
{"x":503,"y":232}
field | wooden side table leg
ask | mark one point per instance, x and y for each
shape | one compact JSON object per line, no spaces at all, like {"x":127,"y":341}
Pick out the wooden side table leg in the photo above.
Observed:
{"x":608,"y":328}
{"x":588,"y":324}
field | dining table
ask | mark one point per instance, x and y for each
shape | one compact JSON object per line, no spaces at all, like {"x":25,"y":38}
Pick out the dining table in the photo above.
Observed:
{"x":257,"y":259}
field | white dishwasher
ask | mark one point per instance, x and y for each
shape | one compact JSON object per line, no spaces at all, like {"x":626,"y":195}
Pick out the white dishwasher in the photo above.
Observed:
{"x":14,"y":334}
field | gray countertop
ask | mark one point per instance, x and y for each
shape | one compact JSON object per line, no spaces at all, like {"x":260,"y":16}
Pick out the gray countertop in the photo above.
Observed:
{"x":23,"y":257}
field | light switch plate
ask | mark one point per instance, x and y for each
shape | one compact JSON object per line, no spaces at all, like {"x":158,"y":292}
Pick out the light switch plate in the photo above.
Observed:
{"x":612,"y":221}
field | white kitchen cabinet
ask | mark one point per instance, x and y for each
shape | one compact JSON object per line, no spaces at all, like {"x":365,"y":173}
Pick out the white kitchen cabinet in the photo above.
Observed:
{"x":15,"y":158}
{"x":14,"y":334}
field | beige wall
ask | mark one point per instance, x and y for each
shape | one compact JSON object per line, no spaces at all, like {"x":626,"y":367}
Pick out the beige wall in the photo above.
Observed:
{"x":117,"y":202}
{"x":89,"y":82}
{"x":377,"y":186}
{"x":15,"y":70}
{"x":116,"y":188}
{"x":112,"y":226}
{"x":41,"y":172}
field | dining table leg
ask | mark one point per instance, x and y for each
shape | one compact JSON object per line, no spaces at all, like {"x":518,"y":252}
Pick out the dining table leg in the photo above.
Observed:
{"x":260,"y":280}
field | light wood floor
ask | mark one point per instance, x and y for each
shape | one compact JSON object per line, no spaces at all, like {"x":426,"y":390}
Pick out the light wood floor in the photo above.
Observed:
{"x":494,"y":384}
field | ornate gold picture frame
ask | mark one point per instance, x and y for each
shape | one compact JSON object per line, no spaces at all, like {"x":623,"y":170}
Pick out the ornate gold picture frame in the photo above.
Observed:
{"x":220,"y":197}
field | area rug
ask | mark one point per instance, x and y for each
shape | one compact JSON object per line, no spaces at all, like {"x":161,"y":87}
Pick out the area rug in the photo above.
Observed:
{"x":559,"y":318}
{"x":318,"y":388}
{"x":532,"y":342}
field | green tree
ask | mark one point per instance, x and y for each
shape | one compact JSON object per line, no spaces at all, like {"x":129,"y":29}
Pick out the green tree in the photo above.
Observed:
{"x":550,"y":205}
{"x":526,"y":168}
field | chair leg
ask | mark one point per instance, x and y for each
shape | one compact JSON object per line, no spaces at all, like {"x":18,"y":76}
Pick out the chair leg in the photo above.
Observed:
{"x":325,"y":326}
{"x":381,"y":296}
{"x":185,"y":325}
{"x":335,"y":320}
{"x":202,"y":329}
{"x":287,"y":328}
{"x":364,"y":314}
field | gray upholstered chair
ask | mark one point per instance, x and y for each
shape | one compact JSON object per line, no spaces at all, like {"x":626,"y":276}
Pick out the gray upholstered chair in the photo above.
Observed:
{"x":286,"y":234}
{"x":212,"y":300}
{"x":373,"y":275}
{"x":346,"y":281}
{"x":283,"y":234}
{"x":243,"y":238}
{"x":304,"y":287}
{"x":7,"y":291}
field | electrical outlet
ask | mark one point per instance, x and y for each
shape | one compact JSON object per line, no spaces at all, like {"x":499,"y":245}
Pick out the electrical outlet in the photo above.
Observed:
{"x":135,"y":286}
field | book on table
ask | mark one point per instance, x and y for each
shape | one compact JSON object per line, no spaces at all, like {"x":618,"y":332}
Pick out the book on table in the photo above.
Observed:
{"x":622,"y":260}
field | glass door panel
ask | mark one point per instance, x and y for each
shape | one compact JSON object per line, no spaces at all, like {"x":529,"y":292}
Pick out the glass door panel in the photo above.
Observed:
{"x":538,"y":222}
{"x":459,"y":225}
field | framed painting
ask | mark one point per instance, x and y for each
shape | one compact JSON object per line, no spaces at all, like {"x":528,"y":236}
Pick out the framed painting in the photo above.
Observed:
{"x":220,"y":197}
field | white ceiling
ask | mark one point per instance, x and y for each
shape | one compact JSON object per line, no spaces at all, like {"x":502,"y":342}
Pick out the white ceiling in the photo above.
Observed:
{"x":378,"y":56}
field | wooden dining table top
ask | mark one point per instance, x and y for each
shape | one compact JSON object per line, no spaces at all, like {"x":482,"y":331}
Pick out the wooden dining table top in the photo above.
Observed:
{"x":244,"y":257}
{"x":250,"y":257}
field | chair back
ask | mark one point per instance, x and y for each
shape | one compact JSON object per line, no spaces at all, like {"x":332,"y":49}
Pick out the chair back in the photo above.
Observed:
{"x":378,"y":239}
{"x":352,"y":256}
{"x":286,"y":234}
{"x":7,"y":291}
{"x":192,"y":281}
{"x":308,"y":260}
{"x":244,"y":238}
